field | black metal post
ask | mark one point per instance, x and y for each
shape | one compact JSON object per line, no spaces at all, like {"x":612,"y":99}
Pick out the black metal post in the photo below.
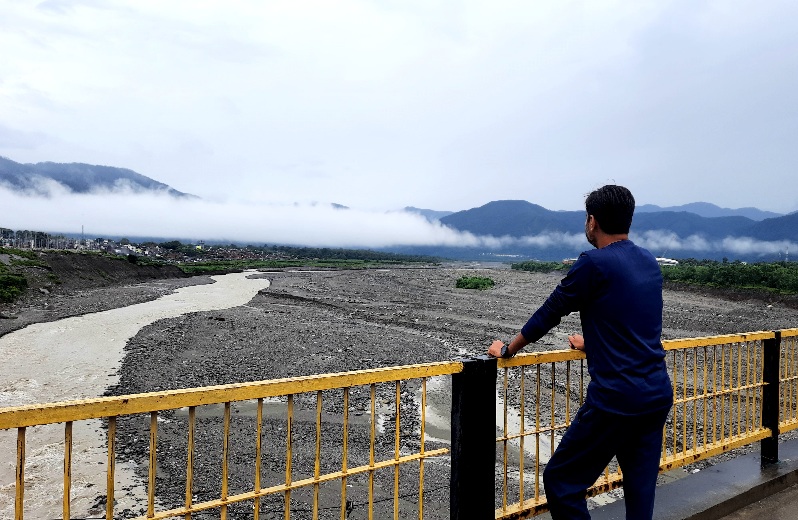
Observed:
{"x":769,"y":447}
{"x":473,"y":474}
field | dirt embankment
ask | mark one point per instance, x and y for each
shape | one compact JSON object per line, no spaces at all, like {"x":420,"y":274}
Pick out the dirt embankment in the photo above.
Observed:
{"x":63,"y":284}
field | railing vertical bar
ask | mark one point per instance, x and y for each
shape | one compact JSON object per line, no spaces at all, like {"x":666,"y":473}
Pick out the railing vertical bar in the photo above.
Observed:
{"x":762,"y":388}
{"x":344,"y":453}
{"x":474,"y":441}
{"x":192,"y":425}
{"x":317,"y":464}
{"x":568,"y":393}
{"x":111,"y":475}
{"x":722,"y":391}
{"x":684,"y":402}
{"x":769,"y":446}
{"x":553,"y":399}
{"x":739,"y":387}
{"x":695,"y":400}
{"x":396,"y":453}
{"x":288,"y":457}
{"x":749,"y":417}
{"x":225,"y":459}
{"x":521,"y":453}
{"x":537,"y":435}
{"x":67,"y":468}
{"x":675,"y":409}
{"x":421,"y":460}
{"x":581,"y":382}
{"x":258,"y":457}
{"x":152,"y":464}
{"x":714,"y":392}
{"x":19,"y":499}
{"x":785,"y":390}
{"x":504,"y":441}
{"x":372,"y":443}
{"x":704,"y":396}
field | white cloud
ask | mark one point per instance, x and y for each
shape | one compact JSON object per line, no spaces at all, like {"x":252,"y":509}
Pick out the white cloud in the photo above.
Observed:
{"x":118,"y":214}
{"x":125,"y":214}
{"x":664,"y":243}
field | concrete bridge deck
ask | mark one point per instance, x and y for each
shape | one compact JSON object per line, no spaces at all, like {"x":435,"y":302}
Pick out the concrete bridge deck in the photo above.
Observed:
{"x":734,"y":490}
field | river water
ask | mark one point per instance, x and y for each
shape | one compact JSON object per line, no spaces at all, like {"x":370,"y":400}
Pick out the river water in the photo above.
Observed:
{"x":77,"y":358}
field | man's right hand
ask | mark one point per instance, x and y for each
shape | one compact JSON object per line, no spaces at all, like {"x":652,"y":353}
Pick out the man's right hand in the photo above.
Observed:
{"x":576,"y":341}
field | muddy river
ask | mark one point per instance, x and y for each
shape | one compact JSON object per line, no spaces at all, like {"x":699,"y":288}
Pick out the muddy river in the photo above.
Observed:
{"x":78,"y":358}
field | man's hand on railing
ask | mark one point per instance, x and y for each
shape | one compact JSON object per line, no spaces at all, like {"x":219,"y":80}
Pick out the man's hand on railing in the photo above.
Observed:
{"x":576,"y":341}
{"x":495,"y":349}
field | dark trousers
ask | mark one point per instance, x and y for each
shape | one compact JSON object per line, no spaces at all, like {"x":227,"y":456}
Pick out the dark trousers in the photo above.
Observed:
{"x":588,"y":445}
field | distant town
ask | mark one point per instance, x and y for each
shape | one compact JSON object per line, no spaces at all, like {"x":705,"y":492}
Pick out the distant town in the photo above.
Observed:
{"x":178,"y":252}
{"x":171,"y":251}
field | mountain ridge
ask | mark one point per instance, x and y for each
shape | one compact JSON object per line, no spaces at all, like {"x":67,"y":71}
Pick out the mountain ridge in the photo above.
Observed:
{"x":78,"y":178}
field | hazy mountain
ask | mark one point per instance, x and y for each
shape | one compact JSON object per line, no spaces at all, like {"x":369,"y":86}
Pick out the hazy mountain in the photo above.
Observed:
{"x":518,"y":218}
{"x":430,"y":214}
{"x":77,"y":178}
{"x":706,"y":209}
{"x":780,"y":228}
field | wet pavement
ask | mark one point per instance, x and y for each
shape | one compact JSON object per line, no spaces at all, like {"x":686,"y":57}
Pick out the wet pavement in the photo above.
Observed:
{"x":738,"y":489}
{"x":780,"y":506}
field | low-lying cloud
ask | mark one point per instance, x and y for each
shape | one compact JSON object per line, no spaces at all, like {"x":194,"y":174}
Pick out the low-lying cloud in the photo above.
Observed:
{"x":665,"y":243}
{"x":115,"y":214}
{"x":125,"y":214}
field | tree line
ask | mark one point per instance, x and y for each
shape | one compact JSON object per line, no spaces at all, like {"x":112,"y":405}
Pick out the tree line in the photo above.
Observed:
{"x":779,"y":277}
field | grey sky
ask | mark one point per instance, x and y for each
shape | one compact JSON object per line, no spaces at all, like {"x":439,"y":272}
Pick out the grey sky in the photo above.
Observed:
{"x":436,"y":104}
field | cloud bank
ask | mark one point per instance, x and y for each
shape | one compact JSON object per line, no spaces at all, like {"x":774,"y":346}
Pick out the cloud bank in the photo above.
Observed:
{"x":120,"y":214}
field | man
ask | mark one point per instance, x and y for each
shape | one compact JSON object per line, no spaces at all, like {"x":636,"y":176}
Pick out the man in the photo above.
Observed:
{"x":617,"y":289}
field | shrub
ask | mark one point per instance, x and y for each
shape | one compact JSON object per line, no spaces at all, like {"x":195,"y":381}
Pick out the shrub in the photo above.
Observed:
{"x":540,"y":267}
{"x":474,"y":282}
{"x":11,"y":287}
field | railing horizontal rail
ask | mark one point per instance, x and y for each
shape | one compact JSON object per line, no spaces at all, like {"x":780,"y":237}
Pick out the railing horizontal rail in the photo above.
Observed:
{"x":710,"y":341}
{"x":37,"y":414}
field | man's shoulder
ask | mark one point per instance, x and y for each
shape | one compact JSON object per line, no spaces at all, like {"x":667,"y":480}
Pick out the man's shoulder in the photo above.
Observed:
{"x":621,"y":250}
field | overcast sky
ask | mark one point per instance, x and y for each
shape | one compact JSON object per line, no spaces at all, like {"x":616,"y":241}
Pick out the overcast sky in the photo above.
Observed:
{"x":435,"y":104}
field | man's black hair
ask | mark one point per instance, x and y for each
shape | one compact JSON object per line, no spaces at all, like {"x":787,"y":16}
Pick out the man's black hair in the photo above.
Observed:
{"x":613,"y":207}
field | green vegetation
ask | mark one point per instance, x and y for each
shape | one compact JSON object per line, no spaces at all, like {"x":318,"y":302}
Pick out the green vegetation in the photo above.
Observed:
{"x":218,"y":266}
{"x":779,"y":277}
{"x":474,"y":282}
{"x":11,"y":287}
{"x":23,"y":253}
{"x":540,"y":267}
{"x":211,"y":259}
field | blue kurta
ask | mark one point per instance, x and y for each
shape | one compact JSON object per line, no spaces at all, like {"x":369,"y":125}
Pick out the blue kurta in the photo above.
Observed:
{"x":618,"y":292}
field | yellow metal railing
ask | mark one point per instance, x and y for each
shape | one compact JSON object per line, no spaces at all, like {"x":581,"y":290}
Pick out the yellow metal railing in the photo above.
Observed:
{"x":717,"y":385}
{"x":296,"y":393}
{"x":295,"y":436}
{"x":557,"y":381}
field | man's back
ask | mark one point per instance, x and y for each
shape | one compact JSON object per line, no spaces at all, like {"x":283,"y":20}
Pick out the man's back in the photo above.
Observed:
{"x":622,"y":323}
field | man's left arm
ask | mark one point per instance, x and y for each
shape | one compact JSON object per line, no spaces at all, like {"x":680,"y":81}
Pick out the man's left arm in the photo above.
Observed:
{"x":566,"y":298}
